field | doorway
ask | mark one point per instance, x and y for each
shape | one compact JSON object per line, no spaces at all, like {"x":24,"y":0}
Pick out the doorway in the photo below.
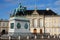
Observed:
{"x":3,"y":32}
{"x":35,"y":31}
{"x":40,"y":31}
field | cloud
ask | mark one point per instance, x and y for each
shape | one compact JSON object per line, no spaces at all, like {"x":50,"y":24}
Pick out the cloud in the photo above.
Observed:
{"x":57,"y":2}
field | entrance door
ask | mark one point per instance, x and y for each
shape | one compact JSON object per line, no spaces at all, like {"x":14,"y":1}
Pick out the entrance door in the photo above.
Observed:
{"x":35,"y":31}
{"x":40,"y":31}
{"x":3,"y":32}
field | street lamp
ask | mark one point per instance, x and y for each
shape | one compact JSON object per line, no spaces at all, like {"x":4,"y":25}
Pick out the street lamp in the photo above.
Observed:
{"x":44,"y":22}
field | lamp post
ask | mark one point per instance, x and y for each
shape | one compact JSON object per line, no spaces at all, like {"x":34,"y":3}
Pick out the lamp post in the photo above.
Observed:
{"x":44,"y":22}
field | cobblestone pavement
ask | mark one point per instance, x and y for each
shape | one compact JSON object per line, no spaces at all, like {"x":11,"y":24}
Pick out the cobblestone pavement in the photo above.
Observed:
{"x":34,"y":39}
{"x":31,"y":39}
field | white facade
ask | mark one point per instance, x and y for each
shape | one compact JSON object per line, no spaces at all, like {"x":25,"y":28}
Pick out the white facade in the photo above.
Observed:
{"x":4,"y":26}
{"x":51,"y":23}
{"x":22,"y":29}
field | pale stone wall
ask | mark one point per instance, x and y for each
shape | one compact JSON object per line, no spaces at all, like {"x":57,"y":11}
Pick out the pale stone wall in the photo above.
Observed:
{"x":11,"y":21}
{"x":52,"y":24}
{"x":22,"y":29}
{"x":15,"y":30}
{"x":39,"y":23}
{"x":4,"y":25}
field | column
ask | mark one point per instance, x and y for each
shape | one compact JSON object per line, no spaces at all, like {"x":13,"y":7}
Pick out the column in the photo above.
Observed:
{"x":31,"y":22}
{"x":38,"y":24}
{"x":35,"y":23}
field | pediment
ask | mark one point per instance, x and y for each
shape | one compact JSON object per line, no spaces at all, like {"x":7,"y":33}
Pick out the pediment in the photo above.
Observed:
{"x":35,"y":12}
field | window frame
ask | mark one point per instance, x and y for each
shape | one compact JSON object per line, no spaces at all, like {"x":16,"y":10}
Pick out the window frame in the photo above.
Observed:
{"x":12,"y":24}
{"x":18,"y":26}
{"x":26,"y":26}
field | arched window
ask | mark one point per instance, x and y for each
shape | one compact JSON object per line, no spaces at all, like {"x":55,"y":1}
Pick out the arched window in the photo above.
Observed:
{"x":18,"y":25}
{"x":26,"y":26}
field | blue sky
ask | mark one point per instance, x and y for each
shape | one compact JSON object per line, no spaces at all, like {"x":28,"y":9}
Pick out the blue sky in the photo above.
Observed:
{"x":7,"y":6}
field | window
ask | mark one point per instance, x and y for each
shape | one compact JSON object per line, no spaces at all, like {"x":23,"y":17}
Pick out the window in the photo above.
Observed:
{"x":3,"y":24}
{"x":18,"y":25}
{"x":41,"y":22}
{"x":26,"y":26}
{"x":12,"y":25}
{"x":35,"y":23}
{"x":7,"y":24}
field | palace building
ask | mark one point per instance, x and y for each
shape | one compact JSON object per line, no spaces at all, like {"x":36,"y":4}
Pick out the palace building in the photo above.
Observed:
{"x":4,"y":25}
{"x":34,"y":21}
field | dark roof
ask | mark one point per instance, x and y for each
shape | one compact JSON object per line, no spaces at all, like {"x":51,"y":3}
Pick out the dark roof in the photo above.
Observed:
{"x":2,"y":20}
{"x":40,"y":12}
